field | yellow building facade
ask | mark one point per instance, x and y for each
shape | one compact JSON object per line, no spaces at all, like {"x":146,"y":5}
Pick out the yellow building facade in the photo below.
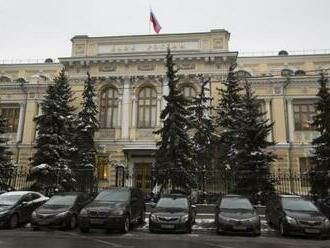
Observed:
{"x":130,"y":83}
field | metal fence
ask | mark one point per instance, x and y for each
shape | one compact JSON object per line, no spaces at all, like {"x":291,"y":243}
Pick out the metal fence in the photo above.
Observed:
{"x":213,"y":182}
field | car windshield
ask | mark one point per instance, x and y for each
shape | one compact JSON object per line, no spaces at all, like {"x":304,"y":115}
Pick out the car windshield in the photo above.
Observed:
{"x":9,"y":200}
{"x":113,"y":196}
{"x":298,"y":204}
{"x":236,"y":203}
{"x":62,"y":200}
{"x":168,"y":202}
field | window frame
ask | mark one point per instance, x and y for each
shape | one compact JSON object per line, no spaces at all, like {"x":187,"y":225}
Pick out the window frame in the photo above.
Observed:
{"x":12,"y":119}
{"x":298,"y":116}
{"x":149,"y":105}
{"x":109,"y":102}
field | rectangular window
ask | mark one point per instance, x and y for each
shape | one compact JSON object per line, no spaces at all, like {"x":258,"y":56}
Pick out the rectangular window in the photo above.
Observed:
{"x":303,"y":116}
{"x":103,"y":167}
{"x":11,"y":114}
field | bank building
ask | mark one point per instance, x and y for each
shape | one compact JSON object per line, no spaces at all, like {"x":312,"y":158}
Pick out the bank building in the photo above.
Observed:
{"x":130,"y":84}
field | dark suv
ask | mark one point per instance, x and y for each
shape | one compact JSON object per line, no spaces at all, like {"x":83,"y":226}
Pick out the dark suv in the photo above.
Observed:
{"x":291,"y":214}
{"x":115,"y":208}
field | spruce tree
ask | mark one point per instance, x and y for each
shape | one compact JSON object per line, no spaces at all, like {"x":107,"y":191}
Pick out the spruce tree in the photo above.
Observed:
{"x":6,"y":165}
{"x":320,"y":171}
{"x":203,"y":132}
{"x":86,"y":124}
{"x":252,"y":174}
{"x":174,"y":165}
{"x":54,"y":143}
{"x":229,"y":106}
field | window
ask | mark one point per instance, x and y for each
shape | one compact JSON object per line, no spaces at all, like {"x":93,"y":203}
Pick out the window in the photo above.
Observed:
{"x":109,"y":108}
{"x":12,"y":116}
{"x":188,"y":92}
{"x":303,"y":116}
{"x":102,"y":163}
{"x":147,"y":108}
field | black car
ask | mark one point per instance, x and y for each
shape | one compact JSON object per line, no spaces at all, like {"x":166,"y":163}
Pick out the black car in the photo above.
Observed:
{"x":16,"y":207}
{"x":324,"y":206}
{"x":172,"y":213}
{"x":114,"y":208}
{"x":235,"y":214}
{"x":62,"y":210}
{"x":291,"y":214}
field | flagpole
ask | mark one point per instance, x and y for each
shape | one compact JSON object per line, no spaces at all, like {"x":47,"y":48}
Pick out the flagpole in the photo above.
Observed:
{"x":149,"y":19}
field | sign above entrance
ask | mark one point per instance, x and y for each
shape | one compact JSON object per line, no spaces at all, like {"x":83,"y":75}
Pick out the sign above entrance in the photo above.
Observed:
{"x":147,"y":47}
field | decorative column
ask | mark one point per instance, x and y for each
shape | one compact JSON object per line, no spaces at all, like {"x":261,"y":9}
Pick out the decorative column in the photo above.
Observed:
{"x":165,"y":91}
{"x":134,"y":111}
{"x":159,"y":102}
{"x":19,"y":135}
{"x":290,"y":120}
{"x":269,"y":118}
{"x":125,"y":113}
{"x":120,"y":103}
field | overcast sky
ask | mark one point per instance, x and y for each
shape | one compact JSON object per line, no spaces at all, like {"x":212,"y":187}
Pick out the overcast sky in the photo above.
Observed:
{"x":32,"y":29}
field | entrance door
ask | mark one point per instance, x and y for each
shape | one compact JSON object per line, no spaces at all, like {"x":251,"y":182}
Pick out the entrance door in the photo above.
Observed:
{"x":142,"y":176}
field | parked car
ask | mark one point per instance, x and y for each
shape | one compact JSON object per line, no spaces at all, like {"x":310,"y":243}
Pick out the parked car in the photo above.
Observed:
{"x":324,"y":206}
{"x":16,"y":207}
{"x":62,"y":210}
{"x":115,"y":208}
{"x":172,"y":213}
{"x":236,"y":214}
{"x":291,"y":214}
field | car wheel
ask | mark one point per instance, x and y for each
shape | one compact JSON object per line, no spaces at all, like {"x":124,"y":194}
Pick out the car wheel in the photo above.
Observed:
{"x":282,"y":229}
{"x":72,"y":223}
{"x":84,"y":229}
{"x":141,"y":220}
{"x":126,"y":224}
{"x":36,"y":228}
{"x":189,"y":229}
{"x":13,"y":221}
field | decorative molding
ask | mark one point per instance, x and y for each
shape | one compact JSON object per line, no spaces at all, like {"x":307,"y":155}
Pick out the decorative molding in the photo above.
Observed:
{"x":146,"y":67}
{"x":107,"y":68}
{"x":187,"y":66}
{"x":218,"y":44}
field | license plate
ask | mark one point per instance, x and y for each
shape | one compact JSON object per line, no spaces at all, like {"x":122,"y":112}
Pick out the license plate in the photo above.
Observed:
{"x":240,"y":228}
{"x":312,"y":231}
{"x":97,"y":221}
{"x":167,"y":226}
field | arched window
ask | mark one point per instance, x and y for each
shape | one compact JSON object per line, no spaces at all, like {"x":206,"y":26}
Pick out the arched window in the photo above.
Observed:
{"x":147,"y":108}
{"x":109,"y":108}
{"x":188,"y":92}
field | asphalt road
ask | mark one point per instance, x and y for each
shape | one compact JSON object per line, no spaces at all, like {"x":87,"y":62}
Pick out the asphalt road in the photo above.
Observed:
{"x":26,"y":238}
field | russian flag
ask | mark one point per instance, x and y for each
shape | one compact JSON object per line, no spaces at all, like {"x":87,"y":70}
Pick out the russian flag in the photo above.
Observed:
{"x":155,"y":22}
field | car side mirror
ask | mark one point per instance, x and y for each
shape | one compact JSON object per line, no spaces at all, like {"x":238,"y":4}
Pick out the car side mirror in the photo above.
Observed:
{"x":152,"y":204}
{"x":24,"y":203}
{"x":193,"y":207}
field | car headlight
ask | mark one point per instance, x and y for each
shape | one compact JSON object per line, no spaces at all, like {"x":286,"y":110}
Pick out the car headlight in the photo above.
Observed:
{"x":291,"y":220}
{"x":34,"y":214}
{"x":83,"y":212}
{"x":3,"y":213}
{"x":63,"y":214}
{"x":117,"y":212}
{"x":153,"y":217}
{"x":184,"y":218}
{"x":327,"y":222}
{"x":223,"y":218}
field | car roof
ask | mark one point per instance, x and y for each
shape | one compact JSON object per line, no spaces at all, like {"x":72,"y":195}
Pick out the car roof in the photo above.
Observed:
{"x":19,"y":192}
{"x":117,"y":188}
{"x":71,"y":193}
{"x":233,"y":196}
{"x":173,"y":196}
{"x":289,"y":196}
